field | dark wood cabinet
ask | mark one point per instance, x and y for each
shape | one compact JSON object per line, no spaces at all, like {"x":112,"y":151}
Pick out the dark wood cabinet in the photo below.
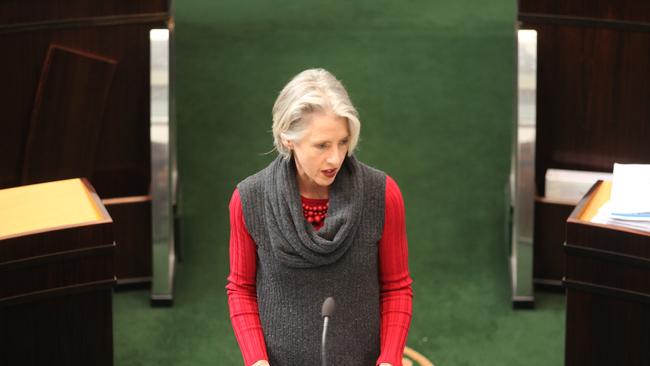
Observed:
{"x":608,"y":289}
{"x":56,"y":280}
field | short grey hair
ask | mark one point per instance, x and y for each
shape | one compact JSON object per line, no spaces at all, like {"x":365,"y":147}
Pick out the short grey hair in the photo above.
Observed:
{"x":313,"y":90}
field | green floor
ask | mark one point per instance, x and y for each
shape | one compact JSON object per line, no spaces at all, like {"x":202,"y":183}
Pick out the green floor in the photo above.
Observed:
{"x":432,"y":81}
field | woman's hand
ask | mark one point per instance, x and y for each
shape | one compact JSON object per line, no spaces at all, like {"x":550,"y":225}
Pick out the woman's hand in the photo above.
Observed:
{"x":261,"y":363}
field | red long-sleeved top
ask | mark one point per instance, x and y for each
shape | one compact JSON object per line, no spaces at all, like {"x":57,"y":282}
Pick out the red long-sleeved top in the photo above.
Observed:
{"x":395,"y":282}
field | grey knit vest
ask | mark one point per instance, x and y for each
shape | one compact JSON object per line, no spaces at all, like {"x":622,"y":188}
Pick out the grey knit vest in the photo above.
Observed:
{"x":298,"y":267}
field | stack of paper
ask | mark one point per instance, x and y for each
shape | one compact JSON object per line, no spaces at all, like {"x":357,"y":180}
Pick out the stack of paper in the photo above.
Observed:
{"x":629,"y":204}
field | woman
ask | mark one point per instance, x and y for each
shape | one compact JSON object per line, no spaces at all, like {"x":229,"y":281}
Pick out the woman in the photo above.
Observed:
{"x":317,"y":223}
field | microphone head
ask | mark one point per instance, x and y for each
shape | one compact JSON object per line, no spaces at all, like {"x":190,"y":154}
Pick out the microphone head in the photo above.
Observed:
{"x":328,"y":307}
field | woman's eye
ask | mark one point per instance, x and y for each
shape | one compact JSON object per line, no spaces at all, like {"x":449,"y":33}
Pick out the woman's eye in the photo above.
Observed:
{"x":344,"y":142}
{"x":321,"y":146}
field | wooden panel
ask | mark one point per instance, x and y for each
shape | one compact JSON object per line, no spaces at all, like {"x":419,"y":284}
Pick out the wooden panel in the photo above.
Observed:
{"x":608,"y":269}
{"x":74,"y":329}
{"x":122,"y":162}
{"x":67,"y":115}
{"x":132,"y":225}
{"x":51,"y":242}
{"x":549,"y":231}
{"x":57,"y":270}
{"x":622,"y":10}
{"x":593,"y":88}
{"x":605,"y":331}
{"x":15,"y":11}
{"x":601,"y":237}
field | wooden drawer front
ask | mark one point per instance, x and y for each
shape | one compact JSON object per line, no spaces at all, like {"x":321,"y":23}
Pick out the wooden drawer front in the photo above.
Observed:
{"x":609,"y":269}
{"x":57,"y":270}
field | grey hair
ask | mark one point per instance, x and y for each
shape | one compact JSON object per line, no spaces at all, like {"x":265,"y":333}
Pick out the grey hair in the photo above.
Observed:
{"x":313,"y":90}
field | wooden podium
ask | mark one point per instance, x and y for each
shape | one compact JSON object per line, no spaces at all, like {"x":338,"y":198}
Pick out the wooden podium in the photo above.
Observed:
{"x":76,"y":74}
{"x":56,"y":275}
{"x":607,"y":281}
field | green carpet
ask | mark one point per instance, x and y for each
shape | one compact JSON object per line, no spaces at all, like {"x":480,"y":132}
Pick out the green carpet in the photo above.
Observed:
{"x":433,"y":82}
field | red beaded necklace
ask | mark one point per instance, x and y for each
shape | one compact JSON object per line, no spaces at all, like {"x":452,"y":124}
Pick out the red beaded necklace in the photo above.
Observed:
{"x":315,"y":213}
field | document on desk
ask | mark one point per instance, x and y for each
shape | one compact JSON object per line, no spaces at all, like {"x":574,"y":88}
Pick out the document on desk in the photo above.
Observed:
{"x":631,"y":190}
{"x":605,"y":216}
{"x":629,"y":203}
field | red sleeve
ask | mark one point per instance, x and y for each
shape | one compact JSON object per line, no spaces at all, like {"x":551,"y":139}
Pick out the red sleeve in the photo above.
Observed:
{"x":396,"y":295}
{"x":242,"y":294}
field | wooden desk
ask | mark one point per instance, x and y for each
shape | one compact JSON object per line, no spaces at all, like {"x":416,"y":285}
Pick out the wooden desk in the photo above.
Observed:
{"x":56,"y":275}
{"x":607,"y":281}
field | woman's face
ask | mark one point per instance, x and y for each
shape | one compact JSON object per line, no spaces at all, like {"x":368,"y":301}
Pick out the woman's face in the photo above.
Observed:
{"x":321,"y":151}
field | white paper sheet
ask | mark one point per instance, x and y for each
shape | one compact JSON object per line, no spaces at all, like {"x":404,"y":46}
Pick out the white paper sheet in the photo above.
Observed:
{"x":631,"y":189}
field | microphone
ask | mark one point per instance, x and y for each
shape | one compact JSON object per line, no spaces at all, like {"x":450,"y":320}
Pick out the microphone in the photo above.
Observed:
{"x":326,"y":312}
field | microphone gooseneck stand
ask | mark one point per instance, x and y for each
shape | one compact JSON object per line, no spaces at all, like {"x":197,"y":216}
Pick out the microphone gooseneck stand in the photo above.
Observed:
{"x":324,"y":341}
{"x":326,"y":312}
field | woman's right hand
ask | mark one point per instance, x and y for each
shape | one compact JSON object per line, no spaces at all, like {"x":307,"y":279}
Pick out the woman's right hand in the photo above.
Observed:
{"x":261,"y":363}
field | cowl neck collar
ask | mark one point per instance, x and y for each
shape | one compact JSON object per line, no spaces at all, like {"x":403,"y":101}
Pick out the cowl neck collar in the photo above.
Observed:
{"x":293,"y":240}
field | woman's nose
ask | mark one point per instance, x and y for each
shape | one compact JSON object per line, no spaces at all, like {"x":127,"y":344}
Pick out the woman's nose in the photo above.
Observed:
{"x":336,"y":156}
